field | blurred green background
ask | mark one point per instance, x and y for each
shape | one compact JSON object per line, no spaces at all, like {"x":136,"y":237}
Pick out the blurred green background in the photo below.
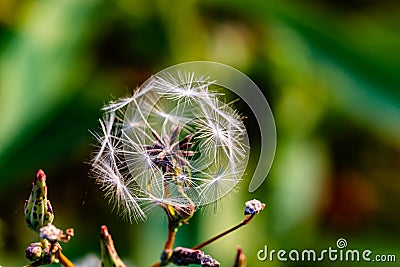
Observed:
{"x":329,"y":69}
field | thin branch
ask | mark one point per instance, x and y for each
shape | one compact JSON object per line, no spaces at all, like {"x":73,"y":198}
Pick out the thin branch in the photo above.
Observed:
{"x":244,"y":222}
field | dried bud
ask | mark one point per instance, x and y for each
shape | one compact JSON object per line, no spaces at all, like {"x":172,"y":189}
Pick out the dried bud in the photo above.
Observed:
{"x":185,"y":256}
{"x":253,"y":207}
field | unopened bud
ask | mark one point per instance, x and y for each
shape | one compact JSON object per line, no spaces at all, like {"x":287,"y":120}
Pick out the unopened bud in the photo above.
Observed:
{"x":253,"y":207}
{"x":34,"y":251}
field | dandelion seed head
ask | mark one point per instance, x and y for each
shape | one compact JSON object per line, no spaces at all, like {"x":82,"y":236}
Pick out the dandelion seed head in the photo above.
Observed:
{"x":174,"y":142}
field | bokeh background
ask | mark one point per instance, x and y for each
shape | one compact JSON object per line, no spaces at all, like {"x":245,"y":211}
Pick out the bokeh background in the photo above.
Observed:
{"x":329,"y":69}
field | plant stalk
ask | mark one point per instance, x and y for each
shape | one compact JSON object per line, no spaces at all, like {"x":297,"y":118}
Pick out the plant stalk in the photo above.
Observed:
{"x":168,"y":246}
{"x":64,"y":260}
{"x":209,"y":241}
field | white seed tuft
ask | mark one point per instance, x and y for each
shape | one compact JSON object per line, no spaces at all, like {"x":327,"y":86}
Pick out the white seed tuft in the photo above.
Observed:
{"x":174,"y":142}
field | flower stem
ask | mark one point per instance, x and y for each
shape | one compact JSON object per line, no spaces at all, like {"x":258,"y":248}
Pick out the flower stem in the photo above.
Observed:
{"x":242,"y":223}
{"x":170,"y":240}
{"x":173,"y":226}
{"x":64,"y":260}
{"x":169,"y":244}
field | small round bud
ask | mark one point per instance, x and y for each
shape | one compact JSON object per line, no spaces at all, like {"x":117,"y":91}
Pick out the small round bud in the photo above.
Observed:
{"x":34,"y":251}
{"x":253,"y":207}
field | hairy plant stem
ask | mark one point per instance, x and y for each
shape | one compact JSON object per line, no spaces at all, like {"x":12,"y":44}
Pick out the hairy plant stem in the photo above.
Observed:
{"x":209,"y":241}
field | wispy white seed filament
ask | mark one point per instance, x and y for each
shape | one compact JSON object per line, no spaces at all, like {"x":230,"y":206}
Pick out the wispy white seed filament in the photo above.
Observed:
{"x":174,"y":142}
